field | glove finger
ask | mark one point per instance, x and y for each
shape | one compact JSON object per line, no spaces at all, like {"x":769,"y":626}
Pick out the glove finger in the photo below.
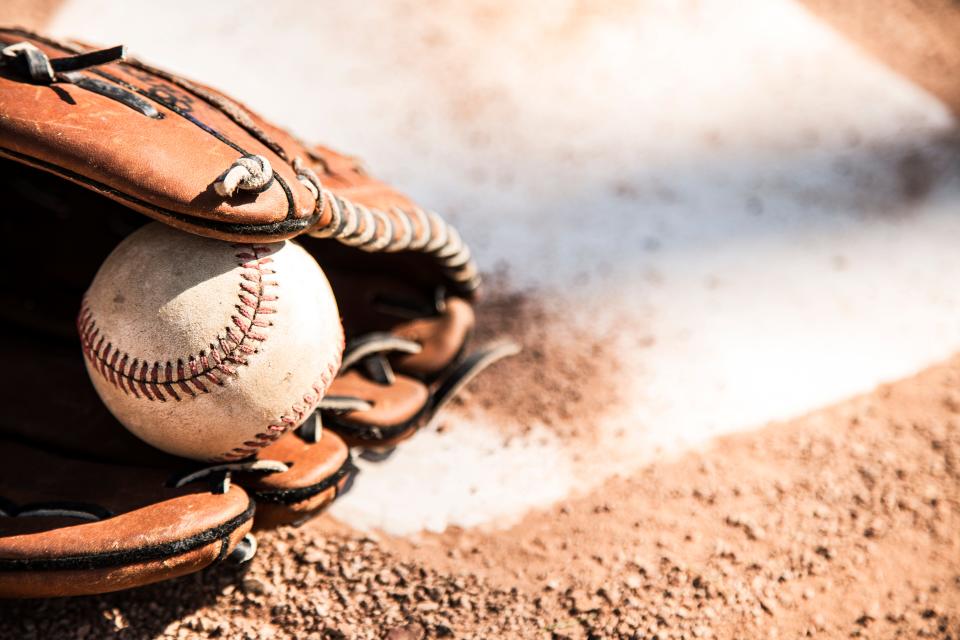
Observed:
{"x":442,"y":339}
{"x":73,"y":527}
{"x":318,"y":472}
{"x":393,"y":412}
{"x":378,"y":408}
{"x":372,"y":303}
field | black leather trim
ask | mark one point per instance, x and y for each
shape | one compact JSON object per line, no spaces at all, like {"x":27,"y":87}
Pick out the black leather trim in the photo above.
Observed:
{"x":285,"y":228}
{"x":131,"y":556}
{"x":367,"y":433}
{"x":292,"y":496}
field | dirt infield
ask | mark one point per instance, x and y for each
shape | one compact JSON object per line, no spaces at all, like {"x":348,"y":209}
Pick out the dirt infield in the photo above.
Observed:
{"x":842,"y":523}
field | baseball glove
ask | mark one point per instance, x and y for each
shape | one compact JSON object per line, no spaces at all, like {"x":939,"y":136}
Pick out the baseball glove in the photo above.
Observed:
{"x":89,"y":141}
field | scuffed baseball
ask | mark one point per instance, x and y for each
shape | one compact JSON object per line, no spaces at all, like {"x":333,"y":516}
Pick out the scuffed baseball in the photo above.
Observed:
{"x":207,"y":349}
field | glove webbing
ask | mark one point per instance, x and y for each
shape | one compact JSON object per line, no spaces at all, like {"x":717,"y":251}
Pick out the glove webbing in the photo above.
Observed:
{"x":374,"y":230}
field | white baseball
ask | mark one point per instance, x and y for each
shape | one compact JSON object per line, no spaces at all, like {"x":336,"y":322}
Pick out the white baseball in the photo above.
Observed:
{"x":207,"y":349}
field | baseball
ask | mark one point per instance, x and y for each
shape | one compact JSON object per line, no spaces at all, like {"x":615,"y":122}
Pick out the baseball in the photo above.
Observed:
{"x":207,"y":349}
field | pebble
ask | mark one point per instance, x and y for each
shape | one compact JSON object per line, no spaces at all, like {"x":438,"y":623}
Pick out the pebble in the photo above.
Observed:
{"x":412,"y":631}
{"x":256,"y":586}
{"x":584,"y":602}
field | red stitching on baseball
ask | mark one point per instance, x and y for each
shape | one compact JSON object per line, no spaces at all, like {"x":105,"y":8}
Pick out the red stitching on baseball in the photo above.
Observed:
{"x":172,"y":379}
{"x":292,"y":418}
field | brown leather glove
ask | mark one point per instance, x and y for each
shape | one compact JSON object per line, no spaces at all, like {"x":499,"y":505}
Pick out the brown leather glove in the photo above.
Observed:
{"x":87,"y":143}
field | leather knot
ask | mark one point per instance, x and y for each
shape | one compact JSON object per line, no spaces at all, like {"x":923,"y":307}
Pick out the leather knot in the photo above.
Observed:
{"x":247,"y":173}
{"x":30,"y":61}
